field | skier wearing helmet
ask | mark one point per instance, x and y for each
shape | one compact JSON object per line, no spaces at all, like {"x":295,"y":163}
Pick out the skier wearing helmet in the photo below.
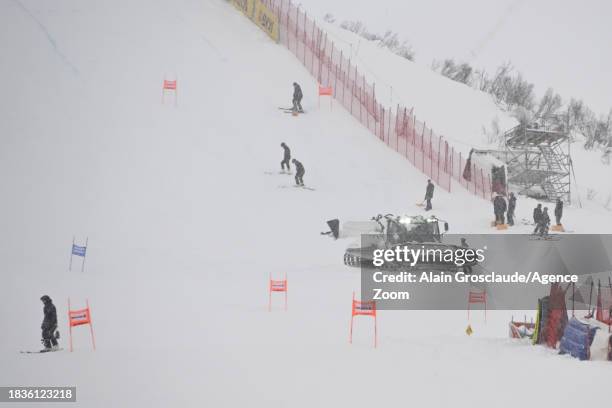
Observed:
{"x":49,"y":324}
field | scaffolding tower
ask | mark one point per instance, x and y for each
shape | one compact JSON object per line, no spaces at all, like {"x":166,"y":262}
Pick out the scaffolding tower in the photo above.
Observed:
{"x":536,"y":162}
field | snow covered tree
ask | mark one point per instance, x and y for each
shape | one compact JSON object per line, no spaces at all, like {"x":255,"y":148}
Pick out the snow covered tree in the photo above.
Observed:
{"x":549,"y":105}
{"x":457,"y":72}
{"x":329,"y":18}
{"x":389,"y":40}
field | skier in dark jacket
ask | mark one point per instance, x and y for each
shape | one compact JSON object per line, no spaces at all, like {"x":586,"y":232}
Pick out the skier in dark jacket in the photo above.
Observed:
{"x":511,"y":208}
{"x":297,"y":98}
{"x":543,"y":223}
{"x":558,"y":211}
{"x":299,"y":172}
{"x":429,"y":191}
{"x":286,"y":157}
{"x":499,"y":208}
{"x":49,"y":324}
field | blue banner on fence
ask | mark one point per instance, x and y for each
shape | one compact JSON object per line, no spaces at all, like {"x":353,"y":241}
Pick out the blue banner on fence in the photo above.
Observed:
{"x":78,"y":250}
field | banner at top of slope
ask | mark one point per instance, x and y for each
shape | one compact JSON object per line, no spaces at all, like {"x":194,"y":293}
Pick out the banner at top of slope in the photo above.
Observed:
{"x":246,"y":6}
{"x":265,"y":18}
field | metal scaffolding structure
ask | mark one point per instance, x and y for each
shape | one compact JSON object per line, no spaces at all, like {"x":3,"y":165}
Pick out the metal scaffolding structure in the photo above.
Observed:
{"x":536,"y":161}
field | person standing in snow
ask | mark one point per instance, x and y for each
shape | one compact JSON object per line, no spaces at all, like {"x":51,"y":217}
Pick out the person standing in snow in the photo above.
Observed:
{"x":543,"y":223}
{"x":429,"y":191}
{"x":511,"y":208}
{"x":537,"y":214}
{"x":49,"y":324}
{"x":499,"y":208}
{"x":286,"y":157}
{"x":297,"y":98}
{"x":558,"y":211}
{"x":299,"y":172}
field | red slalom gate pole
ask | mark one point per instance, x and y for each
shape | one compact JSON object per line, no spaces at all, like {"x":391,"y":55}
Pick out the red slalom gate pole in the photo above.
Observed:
{"x":277,"y":286}
{"x":78,"y":318}
{"x":69,"y":325}
{"x":359,"y":308}
{"x":93,"y":339}
{"x":475,"y":298}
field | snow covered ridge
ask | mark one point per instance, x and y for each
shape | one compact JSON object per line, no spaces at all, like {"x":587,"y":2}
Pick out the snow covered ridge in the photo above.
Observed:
{"x":397,"y":127}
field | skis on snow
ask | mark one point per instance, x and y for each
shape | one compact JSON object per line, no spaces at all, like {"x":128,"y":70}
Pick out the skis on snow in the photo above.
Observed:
{"x":272,"y":173}
{"x":549,"y":237}
{"x":40,"y":351}
{"x":296,"y":186}
{"x":290,"y":110}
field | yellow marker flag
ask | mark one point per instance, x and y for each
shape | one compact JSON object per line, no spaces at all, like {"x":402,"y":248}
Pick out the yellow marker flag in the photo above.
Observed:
{"x":469,"y":330}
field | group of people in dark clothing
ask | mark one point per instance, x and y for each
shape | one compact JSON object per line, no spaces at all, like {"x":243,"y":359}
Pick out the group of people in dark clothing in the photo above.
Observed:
{"x":541,"y":217}
{"x":299,"y":168}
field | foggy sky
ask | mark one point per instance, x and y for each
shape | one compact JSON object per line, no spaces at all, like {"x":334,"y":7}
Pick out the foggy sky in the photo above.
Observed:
{"x":563,"y":44}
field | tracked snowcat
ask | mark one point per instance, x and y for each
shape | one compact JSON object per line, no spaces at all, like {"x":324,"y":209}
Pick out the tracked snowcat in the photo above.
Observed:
{"x":391,"y":231}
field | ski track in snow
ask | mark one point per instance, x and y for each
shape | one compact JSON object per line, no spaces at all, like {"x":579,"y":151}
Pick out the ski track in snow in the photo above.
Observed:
{"x":49,"y":37}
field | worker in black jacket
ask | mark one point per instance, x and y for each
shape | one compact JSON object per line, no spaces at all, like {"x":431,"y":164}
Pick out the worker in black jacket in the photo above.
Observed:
{"x":49,"y":324}
{"x":558,"y":211}
{"x":286,"y":157}
{"x":511,"y":208}
{"x":499,"y":208}
{"x":297,"y":98}
{"x":299,"y":172}
{"x":429,"y":191}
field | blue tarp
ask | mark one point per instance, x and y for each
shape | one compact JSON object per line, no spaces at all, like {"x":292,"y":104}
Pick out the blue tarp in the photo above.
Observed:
{"x":577,"y":339}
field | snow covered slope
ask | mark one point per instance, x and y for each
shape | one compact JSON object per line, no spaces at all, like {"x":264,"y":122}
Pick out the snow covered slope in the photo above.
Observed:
{"x":185,"y":227}
{"x":451,"y":109}
{"x":463,"y":115}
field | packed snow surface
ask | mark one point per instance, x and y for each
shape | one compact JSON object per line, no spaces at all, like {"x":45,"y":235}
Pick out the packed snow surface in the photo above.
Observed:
{"x":185,"y":227}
